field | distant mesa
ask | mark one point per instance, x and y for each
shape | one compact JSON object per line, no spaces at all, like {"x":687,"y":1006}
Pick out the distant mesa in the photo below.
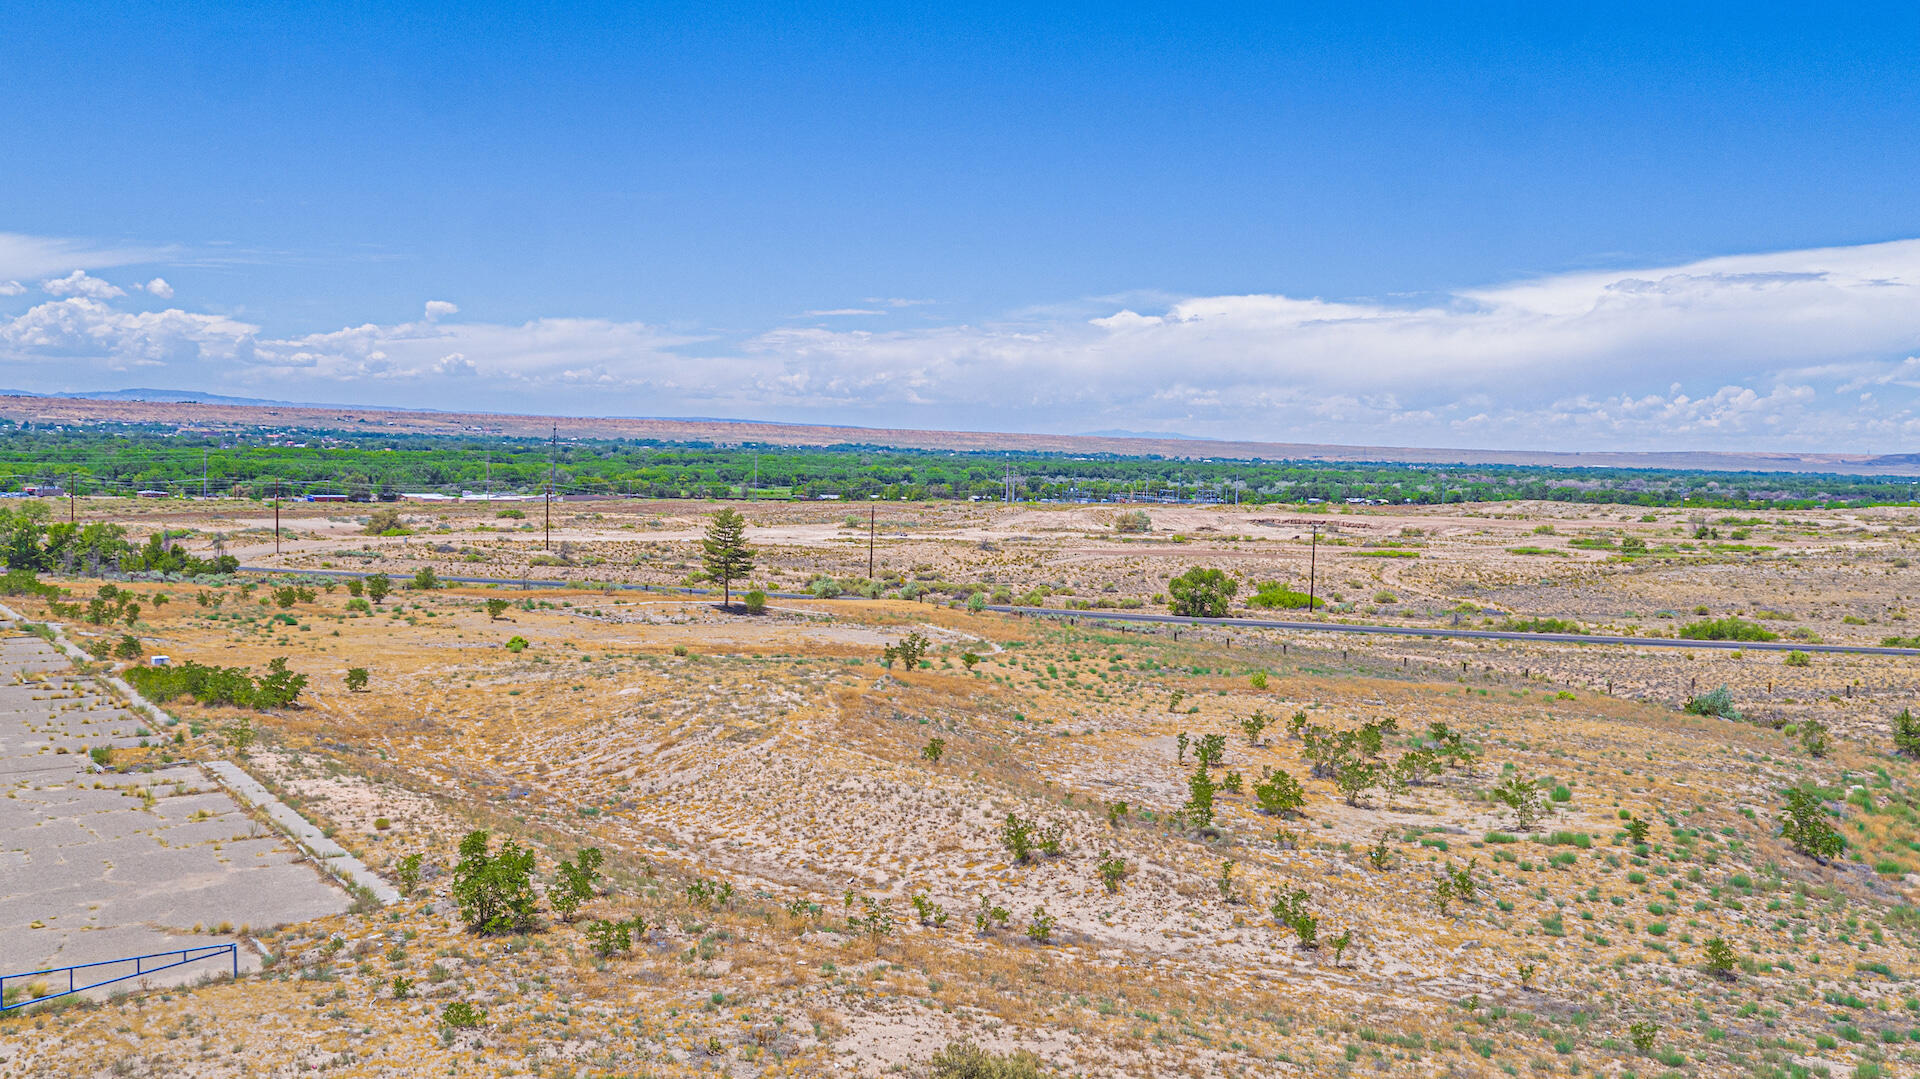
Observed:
{"x":190,"y":407}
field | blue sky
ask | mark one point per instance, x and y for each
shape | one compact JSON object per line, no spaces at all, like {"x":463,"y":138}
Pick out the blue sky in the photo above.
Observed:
{"x":1604,"y":227}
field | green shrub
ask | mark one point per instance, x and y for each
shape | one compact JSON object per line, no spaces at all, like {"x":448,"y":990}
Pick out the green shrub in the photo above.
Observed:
{"x":755,"y":601}
{"x":1803,"y":823}
{"x":1727,"y":629}
{"x":1717,"y":702}
{"x":516,"y":643}
{"x":494,"y":891}
{"x":1201,"y":593}
{"x":964,"y":1060}
{"x":1271,"y":595}
{"x":236,"y":686}
{"x":609,"y":938}
{"x":461,"y":1016}
{"x":1906,"y":733}
{"x":1279,"y":793}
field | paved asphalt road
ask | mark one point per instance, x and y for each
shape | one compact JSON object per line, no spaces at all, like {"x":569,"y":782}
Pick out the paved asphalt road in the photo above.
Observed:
{"x":1242,"y":623}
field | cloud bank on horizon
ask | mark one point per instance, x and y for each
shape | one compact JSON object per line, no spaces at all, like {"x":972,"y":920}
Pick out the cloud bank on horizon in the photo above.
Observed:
{"x":1814,"y":349}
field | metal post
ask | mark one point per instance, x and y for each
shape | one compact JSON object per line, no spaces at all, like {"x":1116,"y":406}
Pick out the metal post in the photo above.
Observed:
{"x":872,"y":511}
{"x":276,"y":517}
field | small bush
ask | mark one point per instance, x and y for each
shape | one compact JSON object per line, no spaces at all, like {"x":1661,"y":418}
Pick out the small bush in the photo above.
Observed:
{"x":1718,"y":702}
{"x":462,"y":1016}
{"x":494,"y":890}
{"x":964,"y":1060}
{"x":516,"y":643}
{"x":1906,"y":733}
{"x":1727,"y":629}
{"x":755,"y":602}
{"x":1803,"y":823}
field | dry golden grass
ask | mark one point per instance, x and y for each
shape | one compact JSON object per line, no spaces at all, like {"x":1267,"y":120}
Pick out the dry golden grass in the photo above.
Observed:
{"x":778,"y":755}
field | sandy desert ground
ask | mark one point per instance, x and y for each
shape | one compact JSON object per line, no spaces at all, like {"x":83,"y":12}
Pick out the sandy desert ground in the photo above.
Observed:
{"x":763,"y":793}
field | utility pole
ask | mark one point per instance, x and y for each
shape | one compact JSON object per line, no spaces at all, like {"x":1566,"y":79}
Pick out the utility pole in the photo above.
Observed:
{"x":756,"y":477}
{"x":872,"y":515}
{"x":70,"y":510}
{"x":276,"y":517}
{"x":550,"y":444}
{"x":1313,"y":565}
{"x":203,"y":473}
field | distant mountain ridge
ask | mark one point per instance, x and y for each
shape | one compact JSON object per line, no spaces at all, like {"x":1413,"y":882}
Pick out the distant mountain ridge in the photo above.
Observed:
{"x":1143,"y":434}
{"x":157,"y":396}
{"x":188,"y":408}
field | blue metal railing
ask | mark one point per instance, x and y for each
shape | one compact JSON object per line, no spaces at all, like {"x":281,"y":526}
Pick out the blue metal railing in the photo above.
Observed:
{"x":140,"y":970}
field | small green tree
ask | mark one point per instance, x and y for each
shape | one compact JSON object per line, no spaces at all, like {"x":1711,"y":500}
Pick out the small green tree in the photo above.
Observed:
{"x":754,"y":602}
{"x":1340,"y":944}
{"x":1803,"y":823}
{"x":379,"y":586}
{"x":933,"y":750}
{"x":354,"y":587}
{"x":1113,"y":870}
{"x":239,"y":734}
{"x":128,"y":648}
{"x":724,"y":552}
{"x":407,"y":873}
{"x":1720,"y":958}
{"x":1040,"y":928}
{"x":1522,"y":796}
{"x":1643,"y":1034}
{"x":1814,"y":738}
{"x":968,"y":660}
{"x":1017,"y":835}
{"x":1638,"y":830}
{"x":926,"y":910}
{"x":496,"y":607}
{"x":1201,"y":593}
{"x":1356,"y":778}
{"x":909,"y":650}
{"x":610,"y":938}
{"x":425,"y":580}
{"x":1200,"y":789}
{"x":1279,"y":793}
{"x":494,"y":891}
{"x":580,"y":878}
{"x":1906,"y":733}
{"x":356,"y":679}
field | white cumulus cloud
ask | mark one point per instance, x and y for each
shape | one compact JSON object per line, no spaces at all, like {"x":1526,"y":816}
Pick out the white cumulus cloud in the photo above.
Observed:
{"x":1807,"y":349}
{"x":159,"y":287}
{"x":80,"y":283}
{"x":12,"y":288}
